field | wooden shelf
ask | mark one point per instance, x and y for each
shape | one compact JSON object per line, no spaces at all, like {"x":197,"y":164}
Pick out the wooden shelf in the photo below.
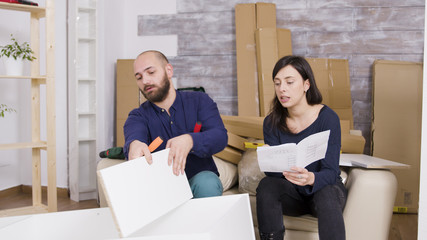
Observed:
{"x":23,"y":77}
{"x":87,"y":39}
{"x":87,"y":113}
{"x":36,"y":80}
{"x":40,"y":11}
{"x":24,"y":211}
{"x":41,"y":145}
{"x":86,"y":139}
{"x":86,"y":9}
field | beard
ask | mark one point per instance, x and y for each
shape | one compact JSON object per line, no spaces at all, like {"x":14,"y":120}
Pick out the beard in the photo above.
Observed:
{"x":160,"y":94}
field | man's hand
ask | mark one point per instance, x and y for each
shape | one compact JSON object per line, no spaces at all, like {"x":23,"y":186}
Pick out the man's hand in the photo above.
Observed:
{"x":138,"y":149}
{"x":179,"y":148}
{"x":300,"y":176}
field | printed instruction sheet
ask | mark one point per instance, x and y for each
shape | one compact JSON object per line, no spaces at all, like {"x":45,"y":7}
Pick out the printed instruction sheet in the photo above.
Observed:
{"x":282,"y":157}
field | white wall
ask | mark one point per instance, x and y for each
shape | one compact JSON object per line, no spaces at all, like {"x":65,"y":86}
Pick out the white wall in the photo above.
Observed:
{"x":14,"y":93}
{"x":121,"y":41}
{"x":15,"y":165}
{"x":168,"y":44}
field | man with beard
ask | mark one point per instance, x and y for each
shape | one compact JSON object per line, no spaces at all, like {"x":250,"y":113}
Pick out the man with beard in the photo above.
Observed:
{"x":172,"y":115}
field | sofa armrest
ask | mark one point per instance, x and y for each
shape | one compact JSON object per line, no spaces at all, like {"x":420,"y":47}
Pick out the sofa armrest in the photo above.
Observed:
{"x":104,"y":163}
{"x":369,"y":207}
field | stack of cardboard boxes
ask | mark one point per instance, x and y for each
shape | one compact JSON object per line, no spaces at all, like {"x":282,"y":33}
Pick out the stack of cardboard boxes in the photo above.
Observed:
{"x":259,"y":44}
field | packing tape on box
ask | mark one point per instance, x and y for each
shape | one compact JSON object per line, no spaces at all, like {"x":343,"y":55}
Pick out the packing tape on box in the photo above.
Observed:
{"x":397,"y":209}
{"x":253,"y":145}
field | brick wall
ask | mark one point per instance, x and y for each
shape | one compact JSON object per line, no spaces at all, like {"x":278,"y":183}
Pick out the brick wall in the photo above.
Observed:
{"x":360,"y":31}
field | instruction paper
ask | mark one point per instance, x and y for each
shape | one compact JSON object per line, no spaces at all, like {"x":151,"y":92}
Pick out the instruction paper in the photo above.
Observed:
{"x":282,"y":157}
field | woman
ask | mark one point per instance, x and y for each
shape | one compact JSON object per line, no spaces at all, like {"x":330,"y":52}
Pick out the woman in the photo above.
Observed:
{"x":317,"y":189}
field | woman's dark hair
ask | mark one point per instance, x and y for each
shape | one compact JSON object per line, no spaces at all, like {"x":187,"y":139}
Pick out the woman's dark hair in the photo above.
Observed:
{"x":278,"y":113}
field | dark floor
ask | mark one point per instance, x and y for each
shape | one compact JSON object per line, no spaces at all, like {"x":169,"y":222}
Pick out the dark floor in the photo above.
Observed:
{"x":403,"y":226}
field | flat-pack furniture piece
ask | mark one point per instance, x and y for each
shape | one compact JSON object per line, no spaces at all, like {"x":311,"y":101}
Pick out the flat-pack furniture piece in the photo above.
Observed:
{"x":216,"y":218}
{"x":148,"y":200}
{"x":367,"y":214}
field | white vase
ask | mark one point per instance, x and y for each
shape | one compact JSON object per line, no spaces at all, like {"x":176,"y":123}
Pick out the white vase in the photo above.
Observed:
{"x":13,"y":67}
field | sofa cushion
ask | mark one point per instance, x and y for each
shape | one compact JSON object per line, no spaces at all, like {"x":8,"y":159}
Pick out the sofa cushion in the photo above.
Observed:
{"x":227,"y":173}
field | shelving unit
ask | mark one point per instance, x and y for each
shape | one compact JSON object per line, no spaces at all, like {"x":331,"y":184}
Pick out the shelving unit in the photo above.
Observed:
{"x":37,"y":145}
{"x":82,"y":87}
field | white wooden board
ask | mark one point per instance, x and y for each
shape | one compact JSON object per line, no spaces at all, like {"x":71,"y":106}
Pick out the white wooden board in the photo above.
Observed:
{"x":138,"y":193}
{"x":215,"y":218}
{"x":366,"y":161}
{"x":96,"y":223}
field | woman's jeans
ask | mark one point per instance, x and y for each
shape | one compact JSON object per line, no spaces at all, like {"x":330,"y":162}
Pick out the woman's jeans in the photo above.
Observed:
{"x":277,"y":197}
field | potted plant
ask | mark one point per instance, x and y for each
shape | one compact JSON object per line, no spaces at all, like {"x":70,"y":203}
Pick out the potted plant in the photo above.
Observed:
{"x":4,"y":108}
{"x":13,"y":55}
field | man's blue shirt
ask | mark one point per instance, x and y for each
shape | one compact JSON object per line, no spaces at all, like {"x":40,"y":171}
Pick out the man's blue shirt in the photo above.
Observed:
{"x":149,"y":121}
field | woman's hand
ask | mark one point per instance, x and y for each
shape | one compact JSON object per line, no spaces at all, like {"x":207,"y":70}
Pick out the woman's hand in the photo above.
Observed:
{"x":299,"y":176}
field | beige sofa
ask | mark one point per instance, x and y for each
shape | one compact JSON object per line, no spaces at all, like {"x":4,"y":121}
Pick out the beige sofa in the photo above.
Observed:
{"x":367,"y":214}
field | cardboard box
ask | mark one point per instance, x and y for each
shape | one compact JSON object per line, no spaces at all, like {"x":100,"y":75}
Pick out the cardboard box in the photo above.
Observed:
{"x":333,"y":80}
{"x":244,"y":126}
{"x":236,"y":141}
{"x":230,"y":154}
{"x":267,"y":56}
{"x":284,"y":42}
{"x":127,"y":96}
{"x":271,"y":44}
{"x":396,"y":127}
{"x":249,"y":17}
{"x":345,"y":126}
{"x":351,"y":142}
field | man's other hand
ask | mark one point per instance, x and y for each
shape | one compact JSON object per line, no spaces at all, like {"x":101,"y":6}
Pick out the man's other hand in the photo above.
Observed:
{"x":179,"y":148}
